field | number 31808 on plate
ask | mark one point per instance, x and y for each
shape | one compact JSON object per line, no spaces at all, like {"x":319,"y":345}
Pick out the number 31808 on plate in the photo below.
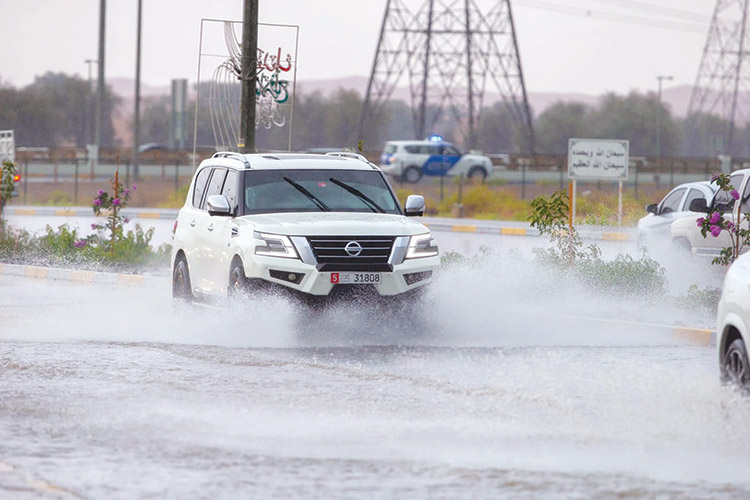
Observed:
{"x":355,"y":278}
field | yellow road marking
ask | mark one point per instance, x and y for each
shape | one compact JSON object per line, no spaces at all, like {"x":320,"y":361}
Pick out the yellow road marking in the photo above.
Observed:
{"x":82,"y":276}
{"x":24,"y":211}
{"x":615,"y":236}
{"x":464,"y":229}
{"x":698,"y":335}
{"x":65,"y":211}
{"x":148,"y":215}
{"x":36,"y":272}
{"x":518,"y":231}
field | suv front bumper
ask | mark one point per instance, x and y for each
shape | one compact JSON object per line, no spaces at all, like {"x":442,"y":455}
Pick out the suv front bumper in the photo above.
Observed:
{"x":316,"y":279}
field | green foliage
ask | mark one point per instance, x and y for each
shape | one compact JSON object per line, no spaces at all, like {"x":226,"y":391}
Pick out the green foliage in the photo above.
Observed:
{"x":623,"y":275}
{"x":560,"y":122}
{"x":65,"y":247}
{"x":7,"y":184}
{"x":697,"y":298}
{"x":112,"y":204}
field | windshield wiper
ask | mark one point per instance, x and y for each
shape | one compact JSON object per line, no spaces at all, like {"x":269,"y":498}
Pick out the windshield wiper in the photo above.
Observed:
{"x":359,"y":194}
{"x":307,"y":193}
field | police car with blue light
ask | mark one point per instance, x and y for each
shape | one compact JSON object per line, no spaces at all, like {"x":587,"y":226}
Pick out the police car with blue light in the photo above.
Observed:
{"x":410,"y":160}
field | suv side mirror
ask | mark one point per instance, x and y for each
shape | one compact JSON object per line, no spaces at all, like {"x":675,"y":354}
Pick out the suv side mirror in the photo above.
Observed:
{"x":652,"y":208}
{"x":414,"y":206}
{"x":217,"y":204}
{"x":699,"y":205}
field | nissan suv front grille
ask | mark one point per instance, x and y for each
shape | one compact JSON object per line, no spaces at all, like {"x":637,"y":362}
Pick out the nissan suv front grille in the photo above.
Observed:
{"x":351,"y":249}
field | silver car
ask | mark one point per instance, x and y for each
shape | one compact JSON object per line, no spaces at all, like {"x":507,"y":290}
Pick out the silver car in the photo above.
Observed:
{"x":675,"y":205}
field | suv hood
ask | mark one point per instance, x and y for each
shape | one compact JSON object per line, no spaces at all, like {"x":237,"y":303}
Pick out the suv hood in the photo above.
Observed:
{"x":333,"y":223}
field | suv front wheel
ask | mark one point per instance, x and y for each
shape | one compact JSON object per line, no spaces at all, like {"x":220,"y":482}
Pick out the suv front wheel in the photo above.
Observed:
{"x":476,"y":172}
{"x":237,"y":278}
{"x":735,"y":368}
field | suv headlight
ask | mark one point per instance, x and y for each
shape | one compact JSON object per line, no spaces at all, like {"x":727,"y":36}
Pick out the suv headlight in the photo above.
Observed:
{"x":421,"y":245}
{"x":275,"y":245}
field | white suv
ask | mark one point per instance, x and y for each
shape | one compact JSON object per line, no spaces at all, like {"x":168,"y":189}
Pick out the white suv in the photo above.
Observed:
{"x":314,"y":224}
{"x":410,"y":160}
{"x":733,"y":324}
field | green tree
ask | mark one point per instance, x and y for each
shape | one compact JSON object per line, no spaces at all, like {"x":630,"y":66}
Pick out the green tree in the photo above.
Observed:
{"x":560,"y":122}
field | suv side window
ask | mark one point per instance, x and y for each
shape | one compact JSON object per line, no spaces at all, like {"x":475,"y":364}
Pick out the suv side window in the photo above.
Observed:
{"x":693,"y":194}
{"x":451,"y":151}
{"x":746,"y":198}
{"x":230,"y":190}
{"x":215,"y":184}
{"x":723,"y":201}
{"x":200,"y":186}
{"x":412,"y":149}
{"x":672,"y":202}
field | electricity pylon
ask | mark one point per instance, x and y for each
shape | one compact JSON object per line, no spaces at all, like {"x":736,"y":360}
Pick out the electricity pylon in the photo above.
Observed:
{"x":723,"y":83}
{"x":449,"y":50}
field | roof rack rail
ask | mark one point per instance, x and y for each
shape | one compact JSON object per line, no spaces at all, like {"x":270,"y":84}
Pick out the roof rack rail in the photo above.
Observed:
{"x":233,"y":155}
{"x":352,"y":155}
{"x":348,"y":154}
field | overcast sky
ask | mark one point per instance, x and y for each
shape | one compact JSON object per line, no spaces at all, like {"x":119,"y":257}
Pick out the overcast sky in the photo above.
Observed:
{"x":587,"y":46}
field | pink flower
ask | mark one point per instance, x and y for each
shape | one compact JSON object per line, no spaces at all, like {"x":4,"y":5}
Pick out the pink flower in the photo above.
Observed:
{"x":116,"y":201}
{"x":715,"y":217}
{"x":101,"y":192}
{"x":127,"y":220}
{"x":80,"y":244}
{"x":97,"y":202}
{"x":730,"y":227}
{"x":700,"y":221}
{"x":126,"y":192}
{"x":735,"y":194}
{"x":94,"y":226}
{"x":135,"y":187}
{"x":715,"y":231}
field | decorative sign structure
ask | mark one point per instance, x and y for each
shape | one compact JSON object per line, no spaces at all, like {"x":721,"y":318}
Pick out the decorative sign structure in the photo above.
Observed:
{"x":219,"y":64}
{"x":600,"y":159}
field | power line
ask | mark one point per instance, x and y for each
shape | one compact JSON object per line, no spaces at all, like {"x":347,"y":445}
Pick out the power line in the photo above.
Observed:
{"x":659,"y":9}
{"x":615,"y":17}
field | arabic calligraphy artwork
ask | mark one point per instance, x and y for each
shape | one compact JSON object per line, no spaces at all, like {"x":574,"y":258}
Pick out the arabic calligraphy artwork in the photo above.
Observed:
{"x":598,"y":159}
{"x":274,"y":73}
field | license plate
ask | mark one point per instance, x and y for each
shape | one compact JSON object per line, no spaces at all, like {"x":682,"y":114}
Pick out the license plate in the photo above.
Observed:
{"x":355,"y":278}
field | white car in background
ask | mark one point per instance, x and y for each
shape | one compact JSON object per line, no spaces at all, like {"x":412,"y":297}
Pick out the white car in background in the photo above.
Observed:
{"x":410,"y":160}
{"x":674,"y":205}
{"x":733,"y":323}
{"x":315,"y":225}
{"x":685,"y":232}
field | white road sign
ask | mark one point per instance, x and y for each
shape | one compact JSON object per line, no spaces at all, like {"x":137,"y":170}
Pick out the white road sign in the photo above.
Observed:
{"x":598,"y":159}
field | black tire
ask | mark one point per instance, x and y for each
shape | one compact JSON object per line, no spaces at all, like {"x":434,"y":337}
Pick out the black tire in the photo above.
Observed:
{"x":237,"y":279}
{"x":735,"y":368}
{"x":181,"y":287}
{"x":476,"y":172}
{"x":412,"y":175}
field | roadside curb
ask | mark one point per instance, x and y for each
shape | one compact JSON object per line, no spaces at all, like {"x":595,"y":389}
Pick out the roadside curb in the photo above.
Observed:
{"x":131,"y":213}
{"x":80,"y":276}
{"x":693,"y":335}
{"x":439,"y":224}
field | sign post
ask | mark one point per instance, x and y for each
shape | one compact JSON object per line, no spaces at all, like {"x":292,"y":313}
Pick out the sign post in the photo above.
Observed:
{"x":598,"y":159}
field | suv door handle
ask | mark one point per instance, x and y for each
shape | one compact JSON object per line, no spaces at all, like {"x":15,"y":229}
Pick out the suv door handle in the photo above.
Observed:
{"x":210,"y":227}
{"x":192,"y":223}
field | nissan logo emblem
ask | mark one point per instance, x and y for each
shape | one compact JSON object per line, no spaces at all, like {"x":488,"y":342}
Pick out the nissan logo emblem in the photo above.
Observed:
{"x":353,"y":249}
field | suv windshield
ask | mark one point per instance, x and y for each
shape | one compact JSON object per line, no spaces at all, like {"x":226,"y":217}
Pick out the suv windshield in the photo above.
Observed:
{"x":269,"y":191}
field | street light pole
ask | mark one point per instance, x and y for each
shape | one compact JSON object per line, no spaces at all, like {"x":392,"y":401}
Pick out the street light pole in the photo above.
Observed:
{"x":89,"y":99}
{"x":137,"y":110}
{"x":659,"y":78}
{"x":248,"y":72}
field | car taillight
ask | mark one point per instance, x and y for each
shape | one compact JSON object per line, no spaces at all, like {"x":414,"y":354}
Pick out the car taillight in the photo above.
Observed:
{"x":16,"y":178}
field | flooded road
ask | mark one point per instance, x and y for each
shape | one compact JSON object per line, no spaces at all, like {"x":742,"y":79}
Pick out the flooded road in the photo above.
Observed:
{"x":495,"y":386}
